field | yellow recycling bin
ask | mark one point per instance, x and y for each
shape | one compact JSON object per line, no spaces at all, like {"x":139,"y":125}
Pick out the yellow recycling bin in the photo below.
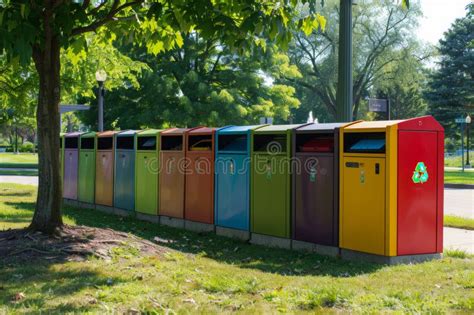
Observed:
{"x":391,"y":189}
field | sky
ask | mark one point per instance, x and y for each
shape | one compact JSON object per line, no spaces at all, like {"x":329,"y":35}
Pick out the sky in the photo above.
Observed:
{"x":438,"y":17}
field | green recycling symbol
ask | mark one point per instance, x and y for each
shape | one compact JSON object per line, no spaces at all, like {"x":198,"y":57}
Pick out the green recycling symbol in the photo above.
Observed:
{"x":420,"y":175}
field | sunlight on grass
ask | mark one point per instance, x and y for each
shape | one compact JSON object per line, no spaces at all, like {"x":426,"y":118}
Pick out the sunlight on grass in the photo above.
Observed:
{"x":459,"y":177}
{"x":204,"y":273}
{"x":458,"y":222}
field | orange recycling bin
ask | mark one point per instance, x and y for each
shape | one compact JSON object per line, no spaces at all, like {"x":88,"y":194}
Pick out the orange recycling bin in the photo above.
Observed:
{"x":104,"y":185}
{"x":199,"y":191}
{"x":172,"y":166}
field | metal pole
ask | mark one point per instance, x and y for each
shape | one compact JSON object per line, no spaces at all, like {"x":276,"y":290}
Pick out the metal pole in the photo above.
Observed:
{"x":388,"y":109}
{"x":467,"y":160}
{"x":462,"y":146}
{"x":344,"y":84}
{"x":101,"y":106}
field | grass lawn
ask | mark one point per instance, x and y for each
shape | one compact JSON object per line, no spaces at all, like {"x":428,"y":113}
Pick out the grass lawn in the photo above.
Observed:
{"x":205,"y":273}
{"x":21,"y":160}
{"x":15,"y":172}
{"x":458,"y":222}
{"x":459,"y":177}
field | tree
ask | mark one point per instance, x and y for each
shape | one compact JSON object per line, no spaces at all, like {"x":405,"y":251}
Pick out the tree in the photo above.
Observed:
{"x":379,"y":29}
{"x":38,"y":29}
{"x":451,"y":86}
{"x":201,"y":83}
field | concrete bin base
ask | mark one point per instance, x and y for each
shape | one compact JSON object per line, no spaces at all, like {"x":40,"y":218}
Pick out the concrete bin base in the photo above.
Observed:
{"x":123,"y":212}
{"x":148,"y":217}
{"x":85,"y":205}
{"x":270,"y":241}
{"x":173,"y":222}
{"x":105,"y":209}
{"x":315,"y":248}
{"x":70,"y":202}
{"x":348,"y":254}
{"x":198,"y":226}
{"x":233,"y":233}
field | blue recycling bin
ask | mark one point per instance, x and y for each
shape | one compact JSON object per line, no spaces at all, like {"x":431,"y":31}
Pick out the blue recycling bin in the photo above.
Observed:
{"x":124,"y":184}
{"x":232,"y":178}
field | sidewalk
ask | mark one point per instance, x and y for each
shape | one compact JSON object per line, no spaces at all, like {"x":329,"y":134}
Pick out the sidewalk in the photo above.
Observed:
{"x":25,"y":180}
{"x":459,"y":239}
{"x":452,"y":168}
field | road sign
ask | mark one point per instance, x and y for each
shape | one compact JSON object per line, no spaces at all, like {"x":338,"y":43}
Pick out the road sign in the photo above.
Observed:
{"x":460,"y":120}
{"x":378,"y":105}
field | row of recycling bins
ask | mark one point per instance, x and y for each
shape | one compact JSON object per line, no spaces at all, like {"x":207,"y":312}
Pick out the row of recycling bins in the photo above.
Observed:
{"x":371,"y":187}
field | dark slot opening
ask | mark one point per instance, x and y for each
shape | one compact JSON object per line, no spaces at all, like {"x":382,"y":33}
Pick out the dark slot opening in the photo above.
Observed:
{"x":272,"y":144}
{"x":364,"y":142}
{"x":172,"y":143}
{"x":200,"y":143}
{"x":71,"y":143}
{"x":125,"y":143}
{"x":60,"y":142}
{"x":146,"y":143}
{"x":87,"y":143}
{"x":316,"y":142}
{"x":232,"y":142}
{"x":105,"y":143}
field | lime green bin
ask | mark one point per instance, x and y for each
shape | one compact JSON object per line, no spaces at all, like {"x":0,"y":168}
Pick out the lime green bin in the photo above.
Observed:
{"x":271,"y":181}
{"x":146,"y":171}
{"x":86,"y":174}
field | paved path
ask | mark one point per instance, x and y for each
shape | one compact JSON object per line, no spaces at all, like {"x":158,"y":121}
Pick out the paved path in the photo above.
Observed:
{"x":451,"y":168}
{"x":26,"y":180}
{"x":459,"y":239}
{"x":459,"y":202}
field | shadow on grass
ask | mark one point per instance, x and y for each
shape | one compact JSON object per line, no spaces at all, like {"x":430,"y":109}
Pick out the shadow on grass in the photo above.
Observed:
{"x":24,"y":277}
{"x":15,"y":194}
{"x":241,"y":254}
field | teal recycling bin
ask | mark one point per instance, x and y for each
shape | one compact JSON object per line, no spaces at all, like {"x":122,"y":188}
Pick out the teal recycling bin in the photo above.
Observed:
{"x":232,"y":178}
{"x":124,"y":184}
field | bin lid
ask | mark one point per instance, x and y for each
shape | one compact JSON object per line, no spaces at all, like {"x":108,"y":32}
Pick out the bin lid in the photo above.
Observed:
{"x":108,"y":133}
{"x":91,"y":134}
{"x":127,"y":133}
{"x":73,"y":134}
{"x":320,"y":127}
{"x":417,"y":123}
{"x":277,"y":128}
{"x":238,"y":129}
{"x":202,"y":131}
{"x":149,"y":132}
{"x":176,"y":131}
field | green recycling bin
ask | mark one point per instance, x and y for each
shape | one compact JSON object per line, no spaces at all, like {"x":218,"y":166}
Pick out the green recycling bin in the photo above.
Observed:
{"x":146,"y":172}
{"x":86,"y":175}
{"x":271,"y":180}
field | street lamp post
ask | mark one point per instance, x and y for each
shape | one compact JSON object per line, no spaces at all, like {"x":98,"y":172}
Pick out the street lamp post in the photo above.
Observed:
{"x":101,"y":76}
{"x":468,"y":122}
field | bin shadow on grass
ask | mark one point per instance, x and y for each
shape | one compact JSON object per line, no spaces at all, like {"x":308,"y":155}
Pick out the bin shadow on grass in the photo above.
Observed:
{"x":222,"y":249}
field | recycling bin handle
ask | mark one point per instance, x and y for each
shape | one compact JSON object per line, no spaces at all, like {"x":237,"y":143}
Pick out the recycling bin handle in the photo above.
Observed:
{"x":103,"y":155}
{"x":123,"y":155}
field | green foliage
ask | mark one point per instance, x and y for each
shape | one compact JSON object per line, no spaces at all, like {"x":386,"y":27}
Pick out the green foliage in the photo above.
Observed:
{"x":203,"y":82}
{"x":27,"y":147}
{"x":451,"y":86}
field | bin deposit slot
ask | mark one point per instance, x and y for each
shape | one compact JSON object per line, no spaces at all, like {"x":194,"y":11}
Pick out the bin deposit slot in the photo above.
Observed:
{"x":125,"y":143}
{"x":364,"y":142}
{"x":172,"y":143}
{"x":200,"y":143}
{"x":323,"y":142}
{"x":71,"y":143}
{"x":146,"y":143}
{"x":352,"y":164}
{"x":232,"y":142}
{"x":87,"y":143}
{"x":105,"y":143}
{"x":272,"y":144}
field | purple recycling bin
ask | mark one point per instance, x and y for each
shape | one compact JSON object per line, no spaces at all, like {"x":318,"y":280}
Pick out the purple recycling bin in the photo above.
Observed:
{"x":71,"y":161}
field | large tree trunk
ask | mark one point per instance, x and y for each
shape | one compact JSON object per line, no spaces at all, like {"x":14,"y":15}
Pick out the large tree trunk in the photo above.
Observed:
{"x":47,"y":216}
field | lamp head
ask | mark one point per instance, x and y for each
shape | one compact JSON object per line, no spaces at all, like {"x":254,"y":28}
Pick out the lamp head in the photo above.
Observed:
{"x":101,"y":76}
{"x":468,"y":119}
